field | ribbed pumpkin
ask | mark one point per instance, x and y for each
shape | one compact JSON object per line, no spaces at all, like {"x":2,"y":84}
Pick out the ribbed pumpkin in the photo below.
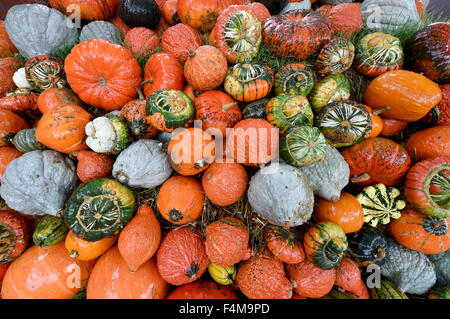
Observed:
{"x":180,"y":199}
{"x":162,"y":71}
{"x":227,"y":241}
{"x":263,"y":277}
{"x":225,"y":183}
{"x":309,"y":280}
{"x":191,"y":151}
{"x":410,"y":95}
{"x":87,"y":250}
{"x":20,"y":100}
{"x":294,"y":78}
{"x":44,"y":72}
{"x":205,"y":68}
{"x":346,"y":19}
{"x":92,"y":165}
{"x":15,"y":233}
{"x":111,"y":279}
{"x":252,"y":142}
{"x":89,"y":10}
{"x":430,"y":142}
{"x":107,"y":80}
{"x":140,"y":238}
{"x":336,"y":56}
{"x":179,"y":40}
{"x":53,"y":97}
{"x":10,"y":124}
{"x":377,"y":160}
{"x":7,"y":154}
{"x":7,"y":48}
{"x":181,"y":257}
{"x":426,"y":234}
{"x":62,"y":128}
{"x":217,"y":111}
{"x":60,"y":276}
{"x":440,"y":114}
{"x":8,"y":66}
{"x":202,"y":289}
{"x":284,"y":244}
{"x":141,"y":41}
{"x":427,"y":186}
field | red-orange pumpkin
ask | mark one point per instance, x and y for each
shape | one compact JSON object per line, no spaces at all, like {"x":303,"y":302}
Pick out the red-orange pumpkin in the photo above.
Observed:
{"x":430,"y":142}
{"x":111,"y":279}
{"x":7,"y":154}
{"x":8,"y":66}
{"x":10,"y":124}
{"x":89,"y":9}
{"x":15,"y":233}
{"x":441,"y":113}
{"x":179,"y":39}
{"x":346,"y":19}
{"x":53,"y":97}
{"x":202,"y":289}
{"x":103,"y":74}
{"x":20,"y":100}
{"x":181,"y":257}
{"x":284,"y":244}
{"x":392,"y":127}
{"x":141,"y":41}
{"x":7,"y":48}
{"x":123,"y":28}
{"x":92,"y":165}
{"x":348,"y":277}
{"x":169,"y":12}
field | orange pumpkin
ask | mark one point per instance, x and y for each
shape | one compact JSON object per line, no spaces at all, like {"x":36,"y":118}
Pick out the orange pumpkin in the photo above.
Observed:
{"x":20,"y":100}
{"x":162,"y":71}
{"x":92,"y":165}
{"x":426,"y":234}
{"x":410,"y":95}
{"x":107,"y":80}
{"x":190,"y":92}
{"x":45,"y":273}
{"x":347,"y":212}
{"x":111,"y":279}
{"x":10,"y":124}
{"x":346,"y":19}
{"x":263,"y":277}
{"x":191,"y":151}
{"x":179,"y":39}
{"x":430,"y":142}
{"x":140,"y":238}
{"x":259,"y":10}
{"x":392,"y":127}
{"x":141,"y":41}
{"x":62,"y":128}
{"x":227,"y":241}
{"x":205,"y":68}
{"x":376,"y":121}
{"x":284,"y":244}
{"x":225,"y":183}
{"x":3,"y":269}
{"x":8,"y":66}
{"x":88,"y":9}
{"x":87,"y":250}
{"x":180,"y":199}
{"x":123,"y":28}
{"x":348,"y":277}
{"x":7,"y":48}
{"x":53,"y":97}
{"x":7,"y":154}
{"x":181,"y":257}
{"x":252,"y":142}
{"x":309,"y":280}
{"x":202,"y":289}
{"x":169,"y":12}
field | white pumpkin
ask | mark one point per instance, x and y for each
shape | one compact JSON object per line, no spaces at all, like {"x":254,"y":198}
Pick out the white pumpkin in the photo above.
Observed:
{"x":20,"y":79}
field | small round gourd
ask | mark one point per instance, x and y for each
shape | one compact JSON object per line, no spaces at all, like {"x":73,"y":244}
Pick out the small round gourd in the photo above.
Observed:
{"x":333,"y":87}
{"x":294,"y":78}
{"x":25,"y":141}
{"x":255,"y":109}
{"x":49,"y":231}
{"x":335,"y":57}
{"x":101,"y":30}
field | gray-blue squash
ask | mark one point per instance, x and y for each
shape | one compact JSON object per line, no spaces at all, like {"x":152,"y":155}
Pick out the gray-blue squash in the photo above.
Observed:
{"x":442,"y":267}
{"x":101,"y":30}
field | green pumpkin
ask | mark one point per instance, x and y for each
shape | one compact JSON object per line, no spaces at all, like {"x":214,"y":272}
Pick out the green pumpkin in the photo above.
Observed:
{"x":25,"y":141}
{"x":335,"y":57}
{"x":123,"y":133}
{"x":45,"y":72}
{"x":333,"y":87}
{"x":286,"y":111}
{"x":49,"y":231}
{"x":337,"y":294}
{"x":387,"y":290}
{"x":255,"y":109}
{"x":171,"y":109}
{"x":344,"y":123}
{"x":99,"y":209}
{"x":302,"y":145}
{"x":367,"y":245}
{"x":294,"y":78}
{"x":439,"y":292}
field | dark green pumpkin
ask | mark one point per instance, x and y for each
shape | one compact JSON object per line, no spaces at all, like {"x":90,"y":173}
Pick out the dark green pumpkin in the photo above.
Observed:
{"x":25,"y":141}
{"x":294,"y":78}
{"x":255,"y":109}
{"x":377,"y":53}
{"x":139,"y":13}
{"x":387,"y":290}
{"x":344,"y":123}
{"x":439,"y":292}
{"x":337,"y":294}
{"x":49,"y":231}
{"x":123,"y":133}
{"x":302,"y":145}
{"x":335,"y":57}
{"x":286,"y":111}
{"x":367,"y":245}
{"x":170,"y":109}
{"x":99,"y":209}
{"x":333,"y":87}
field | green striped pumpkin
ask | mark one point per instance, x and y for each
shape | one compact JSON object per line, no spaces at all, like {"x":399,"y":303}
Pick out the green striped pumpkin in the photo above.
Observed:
{"x":333,"y":87}
{"x":302,"y":145}
{"x":25,"y":141}
{"x":286,"y":111}
{"x":255,"y":109}
{"x":45,"y":72}
{"x":367,"y":245}
{"x":337,"y":294}
{"x":123,"y":134}
{"x":294,"y":78}
{"x":335,"y":57}
{"x":344,"y":123}
{"x":49,"y":231}
{"x":387,"y":290}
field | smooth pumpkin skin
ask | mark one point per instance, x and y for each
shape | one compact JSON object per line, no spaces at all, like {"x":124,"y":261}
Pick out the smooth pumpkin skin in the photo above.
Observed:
{"x":8,"y":66}
{"x":87,"y":250}
{"x":7,"y":154}
{"x":179,"y":39}
{"x":62,"y":128}
{"x":112,"y":279}
{"x":140,"y":238}
{"x":346,"y":212}
{"x":392,"y":127}
{"x":53,"y":97}
{"x":348,"y":277}
{"x":202,"y":289}
{"x":410,"y":95}
{"x":10,"y":124}
{"x":89,"y":9}
{"x":19,"y":101}
{"x":430,"y":142}
{"x":169,"y":12}
{"x":410,"y":230}
{"x":119,"y":24}
{"x":43,"y":273}
{"x":103,"y":74}
{"x":3,"y":269}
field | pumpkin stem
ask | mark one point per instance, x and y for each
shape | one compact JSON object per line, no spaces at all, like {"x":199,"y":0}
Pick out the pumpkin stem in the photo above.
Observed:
{"x":139,"y":91}
{"x":191,"y":53}
{"x":74,"y":254}
{"x":361,"y":178}
{"x":101,"y":81}
{"x":122,"y":177}
{"x":226,"y":107}
{"x":381,"y":253}
{"x":147,"y":81}
{"x":381,"y":110}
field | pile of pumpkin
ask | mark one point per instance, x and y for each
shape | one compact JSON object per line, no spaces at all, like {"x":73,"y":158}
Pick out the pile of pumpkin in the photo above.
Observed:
{"x":95,"y":205}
